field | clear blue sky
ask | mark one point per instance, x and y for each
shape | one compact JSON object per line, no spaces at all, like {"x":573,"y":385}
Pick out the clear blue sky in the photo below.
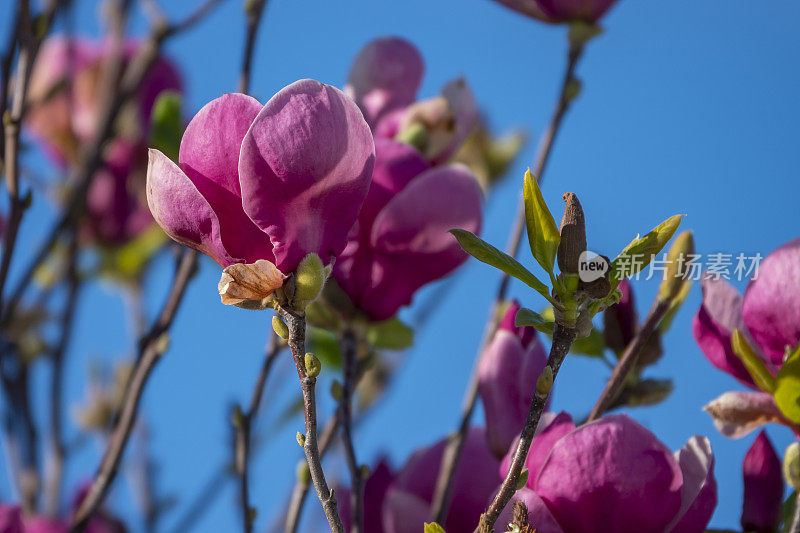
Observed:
{"x":689,"y":106}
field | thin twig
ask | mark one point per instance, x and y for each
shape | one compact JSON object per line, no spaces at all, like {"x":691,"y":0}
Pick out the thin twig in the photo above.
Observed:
{"x":150,"y":353}
{"x":455,"y":444}
{"x":562,"y":342}
{"x":296,"y":323}
{"x":244,"y":425}
{"x":795,"y":526}
{"x":253,"y":11}
{"x":629,"y":358}
{"x":58,"y":448}
{"x":350,"y":364}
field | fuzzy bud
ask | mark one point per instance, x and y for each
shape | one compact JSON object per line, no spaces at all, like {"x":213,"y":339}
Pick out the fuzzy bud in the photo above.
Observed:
{"x":337,"y":391}
{"x":313,"y":365}
{"x":545,"y":382}
{"x":309,"y":280}
{"x":573,"y":235}
{"x":676,"y":272}
{"x":791,"y":465}
{"x":301,"y":439}
{"x":280,"y":327}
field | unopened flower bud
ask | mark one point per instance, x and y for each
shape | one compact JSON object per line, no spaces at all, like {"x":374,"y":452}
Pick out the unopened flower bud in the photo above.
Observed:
{"x":364,"y":471}
{"x":676,"y":269}
{"x":309,"y":280}
{"x":523,"y":476}
{"x":303,"y":473}
{"x":573,"y":235}
{"x":237,"y":417}
{"x":791,"y":465}
{"x":313,"y":365}
{"x":301,"y":439}
{"x":545,"y":382}
{"x":337,"y":391}
{"x":280,"y":327}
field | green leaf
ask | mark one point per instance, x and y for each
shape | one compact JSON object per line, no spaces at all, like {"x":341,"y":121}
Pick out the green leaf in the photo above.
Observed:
{"x":433,"y":528}
{"x":486,"y":253}
{"x":753,"y":363}
{"x":325,"y":346}
{"x":674,"y":306}
{"x":787,"y":512}
{"x":787,"y":387}
{"x":390,"y":334}
{"x":526,"y":317}
{"x":166,"y":124}
{"x":593,"y":345}
{"x":543,"y":235}
{"x":641,"y":250}
{"x":127,"y":262}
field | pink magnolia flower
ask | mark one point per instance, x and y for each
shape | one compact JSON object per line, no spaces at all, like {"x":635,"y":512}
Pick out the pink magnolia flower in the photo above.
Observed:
{"x":556,"y":11}
{"x":273,"y":182}
{"x":65,"y":98}
{"x":768,"y":316}
{"x":763,"y":487}
{"x":401,"y":242}
{"x":614,"y":476}
{"x":507,"y":374}
{"x":12,"y":521}
{"x":375,"y":490}
{"x":407,"y":504}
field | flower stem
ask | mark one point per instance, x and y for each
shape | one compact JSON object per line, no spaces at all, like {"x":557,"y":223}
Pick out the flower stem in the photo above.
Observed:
{"x":562,"y":341}
{"x":296,"y":322}
{"x":350,"y":357}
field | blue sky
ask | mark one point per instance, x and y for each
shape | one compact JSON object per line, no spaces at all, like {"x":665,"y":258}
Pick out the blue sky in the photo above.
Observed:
{"x":689,"y":106}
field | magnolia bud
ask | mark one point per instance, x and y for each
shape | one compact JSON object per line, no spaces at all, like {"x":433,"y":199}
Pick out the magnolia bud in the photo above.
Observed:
{"x":309,"y":279}
{"x":337,"y":391}
{"x":313,"y":365}
{"x":523,"y":478}
{"x":545,"y":382}
{"x":363,"y":471}
{"x":791,"y":465}
{"x":675,"y":273}
{"x":301,"y":439}
{"x":280,"y":327}
{"x":573,"y":235}
{"x":303,"y":473}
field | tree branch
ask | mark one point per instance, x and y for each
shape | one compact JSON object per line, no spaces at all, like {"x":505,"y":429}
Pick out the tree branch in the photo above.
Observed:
{"x":253,"y":11}
{"x":350,"y":365}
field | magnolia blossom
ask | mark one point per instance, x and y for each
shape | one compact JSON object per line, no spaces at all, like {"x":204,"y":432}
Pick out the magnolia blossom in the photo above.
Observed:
{"x":401,"y":242}
{"x":269,"y":183}
{"x":614,"y":476}
{"x":13,"y":521}
{"x":375,"y":489}
{"x":65,"y":96}
{"x":507,"y":374}
{"x":556,"y":11}
{"x":763,"y":487}
{"x":769,"y":318}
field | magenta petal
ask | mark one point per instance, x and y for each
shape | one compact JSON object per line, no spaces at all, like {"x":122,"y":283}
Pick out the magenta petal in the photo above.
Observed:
{"x":549,"y":431}
{"x":699,"y":490}
{"x":763,"y":487}
{"x":539,"y":516}
{"x":567,"y":10}
{"x":10,"y":519}
{"x":714,"y":323}
{"x":527,"y":7}
{"x":771,"y":306}
{"x":404,"y":512}
{"x":611,"y":475}
{"x":305,"y":169}
{"x":386,"y":75}
{"x":182,"y":211}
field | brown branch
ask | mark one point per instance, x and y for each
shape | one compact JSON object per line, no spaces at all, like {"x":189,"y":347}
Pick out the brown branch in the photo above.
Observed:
{"x":253,"y":11}
{"x":795,"y":525}
{"x":296,"y":323}
{"x":455,"y":444}
{"x":244,"y":425}
{"x":629,"y":358}
{"x":350,"y":366}
{"x":562,"y":342}
{"x":151,"y":349}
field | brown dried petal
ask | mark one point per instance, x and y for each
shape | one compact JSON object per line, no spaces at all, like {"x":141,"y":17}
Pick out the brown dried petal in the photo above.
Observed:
{"x":736,"y":414}
{"x":252,"y":281}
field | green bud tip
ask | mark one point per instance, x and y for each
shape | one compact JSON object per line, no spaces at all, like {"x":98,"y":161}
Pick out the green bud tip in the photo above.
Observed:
{"x":791,"y":465}
{"x":364,"y":471}
{"x":523,"y":478}
{"x":251,"y":514}
{"x":280,"y":327}
{"x":309,"y":280}
{"x":337,"y":391}
{"x":313,"y":365}
{"x":545,"y":382}
{"x":237,"y":417}
{"x":301,"y":439}
{"x":303,"y":473}
{"x":676,"y":271}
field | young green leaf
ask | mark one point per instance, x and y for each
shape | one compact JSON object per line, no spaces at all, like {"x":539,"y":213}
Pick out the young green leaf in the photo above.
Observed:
{"x":526,"y":317}
{"x":166,"y":124}
{"x":787,"y":387}
{"x":641,"y":250}
{"x":543,"y":235}
{"x":390,"y":334}
{"x":753,"y":363}
{"x":486,"y":253}
{"x":433,"y":527}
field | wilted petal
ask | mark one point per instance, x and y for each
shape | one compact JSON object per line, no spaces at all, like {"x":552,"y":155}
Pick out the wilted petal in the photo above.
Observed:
{"x":386,"y":75}
{"x":771,"y":306}
{"x":182,"y":211}
{"x":737,"y":413}
{"x":611,"y":475}
{"x":547,"y":435}
{"x":305,"y":169}
{"x":699,"y":490}
{"x":253,"y":281}
{"x":714,"y":323}
{"x":539,"y":517}
{"x":763,"y":487}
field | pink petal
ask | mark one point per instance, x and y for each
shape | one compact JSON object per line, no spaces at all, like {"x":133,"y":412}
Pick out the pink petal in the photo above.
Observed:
{"x":527,"y":7}
{"x":10,"y":519}
{"x":526,"y":334}
{"x":737,"y":413}
{"x":547,"y":436}
{"x":462,"y":102}
{"x":699,"y":490}
{"x":539,"y":516}
{"x":771,"y":306}
{"x":611,"y":475}
{"x":763,"y":487}
{"x":404,"y":512}
{"x":305,"y":169}
{"x":386,"y":75}
{"x":568,"y":10}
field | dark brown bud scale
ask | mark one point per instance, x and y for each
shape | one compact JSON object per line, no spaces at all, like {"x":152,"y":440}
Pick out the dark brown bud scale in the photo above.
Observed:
{"x":573,"y":235}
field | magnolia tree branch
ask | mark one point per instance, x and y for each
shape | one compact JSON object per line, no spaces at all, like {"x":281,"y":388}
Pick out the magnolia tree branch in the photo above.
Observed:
{"x":244,"y":422}
{"x":253,"y":12}
{"x":562,"y":341}
{"x":296,"y":323}
{"x":350,"y":366}
{"x":151,"y":349}
{"x":629,"y":357}
{"x":455,"y":444}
